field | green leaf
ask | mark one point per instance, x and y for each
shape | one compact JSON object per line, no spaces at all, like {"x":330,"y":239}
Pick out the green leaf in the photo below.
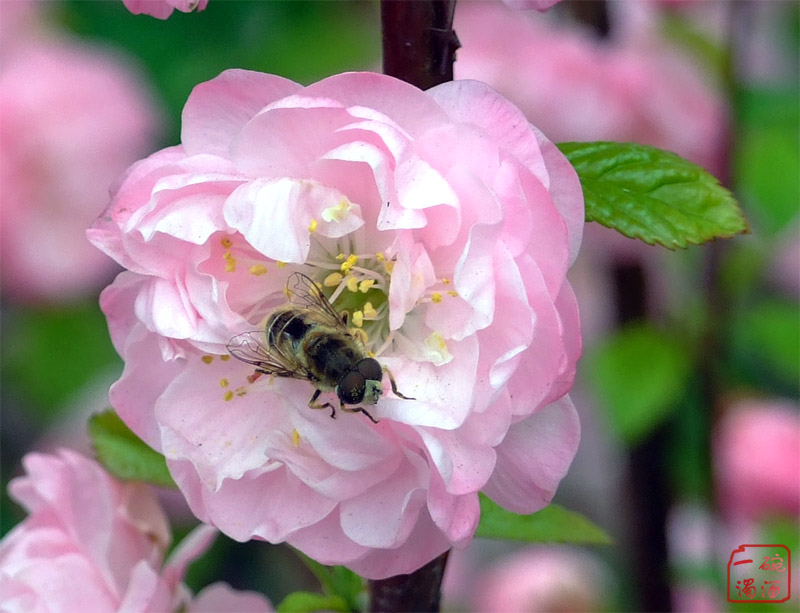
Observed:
{"x":767,"y":156}
{"x":337,"y":581}
{"x":553,"y":524}
{"x":302,"y":602}
{"x":639,"y":375}
{"x":50,"y":353}
{"x":767,"y":334}
{"x":124,"y":454}
{"x":653,"y":195}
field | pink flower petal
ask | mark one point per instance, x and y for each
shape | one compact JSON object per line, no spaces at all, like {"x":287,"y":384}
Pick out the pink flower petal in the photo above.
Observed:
{"x":534,"y":457}
{"x":217,"y":110}
{"x":221,"y":597}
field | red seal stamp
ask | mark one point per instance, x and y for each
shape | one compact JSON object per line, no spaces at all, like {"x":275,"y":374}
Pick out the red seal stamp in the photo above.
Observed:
{"x":759,"y":573}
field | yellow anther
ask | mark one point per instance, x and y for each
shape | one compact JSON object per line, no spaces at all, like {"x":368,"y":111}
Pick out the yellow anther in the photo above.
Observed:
{"x":228,"y":396}
{"x":349,"y":263}
{"x":207,"y":359}
{"x":446,"y":281}
{"x":280,"y":264}
{"x":352,"y":284}
{"x":436,"y":297}
{"x":312,"y":227}
{"x":452,"y":293}
{"x":295,"y":437}
{"x":226,"y":242}
{"x":362,"y":336}
{"x":358,"y":319}
{"x":369,"y":310}
{"x":332,"y":280}
{"x":436,"y":341}
{"x":388,"y":265}
{"x":340,"y":257}
{"x":230,"y":262}
{"x":364,"y":286}
{"x":371,"y":354}
{"x":437,"y":349}
{"x":225,"y":357}
{"x":224,"y":382}
{"x":380,"y":257}
{"x":338,"y":212}
{"x":288,"y":293}
{"x":258,"y":270}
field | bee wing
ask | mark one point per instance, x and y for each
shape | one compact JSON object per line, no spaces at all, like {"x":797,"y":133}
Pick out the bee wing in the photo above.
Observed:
{"x":250,"y":347}
{"x":304,"y":292}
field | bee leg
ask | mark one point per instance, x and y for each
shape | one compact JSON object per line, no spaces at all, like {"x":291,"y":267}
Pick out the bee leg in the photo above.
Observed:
{"x":393,"y":383}
{"x":313,"y":404}
{"x":359,"y":410}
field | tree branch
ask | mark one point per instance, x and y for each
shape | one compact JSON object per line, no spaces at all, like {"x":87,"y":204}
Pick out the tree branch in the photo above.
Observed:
{"x":419,"y":591}
{"x":419,"y":43}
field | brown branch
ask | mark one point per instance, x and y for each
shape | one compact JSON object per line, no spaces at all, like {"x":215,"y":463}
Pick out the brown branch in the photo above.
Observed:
{"x":419,"y":46}
{"x":419,"y":43}
{"x":419,"y":591}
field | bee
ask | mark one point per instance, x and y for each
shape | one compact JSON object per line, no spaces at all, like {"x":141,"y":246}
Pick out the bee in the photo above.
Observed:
{"x":308,"y":339}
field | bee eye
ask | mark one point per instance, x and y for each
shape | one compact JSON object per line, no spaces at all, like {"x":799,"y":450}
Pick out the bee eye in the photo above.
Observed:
{"x":370,"y":369}
{"x":351,"y":388}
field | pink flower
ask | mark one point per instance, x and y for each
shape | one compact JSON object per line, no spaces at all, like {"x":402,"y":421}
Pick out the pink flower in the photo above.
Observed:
{"x":442,"y":219}
{"x":543,"y":579}
{"x":756,"y":454}
{"x":19,"y":22}
{"x":61,"y":146}
{"x":161,"y":9}
{"x":573,"y":88}
{"x":92,"y":543}
{"x":524,"y":5}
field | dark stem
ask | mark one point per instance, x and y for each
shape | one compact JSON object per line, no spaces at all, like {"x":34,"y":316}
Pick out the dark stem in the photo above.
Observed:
{"x":419,"y":43}
{"x":648,"y":489}
{"x":593,"y":13}
{"x":419,"y":591}
{"x":419,"y":47}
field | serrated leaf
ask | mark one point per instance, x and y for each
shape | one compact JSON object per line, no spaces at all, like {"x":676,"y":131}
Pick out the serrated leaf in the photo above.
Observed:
{"x":653,"y":195}
{"x":638,"y":375}
{"x":553,"y":524}
{"x":124,"y":454}
{"x":304,"y":602}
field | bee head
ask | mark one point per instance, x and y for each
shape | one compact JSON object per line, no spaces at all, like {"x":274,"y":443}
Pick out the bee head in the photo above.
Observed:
{"x":362,"y":384}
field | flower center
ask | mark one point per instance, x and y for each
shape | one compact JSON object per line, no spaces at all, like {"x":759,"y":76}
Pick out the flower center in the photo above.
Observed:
{"x":359,"y":285}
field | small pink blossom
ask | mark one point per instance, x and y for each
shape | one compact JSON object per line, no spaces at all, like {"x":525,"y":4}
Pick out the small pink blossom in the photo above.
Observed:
{"x":161,"y":9}
{"x":92,"y":543}
{"x":62,"y":144}
{"x":446,"y":212}
{"x":525,"y":5}
{"x":756,"y":455}
{"x":543,"y":579}
{"x":574,"y":88}
{"x":20,"y":21}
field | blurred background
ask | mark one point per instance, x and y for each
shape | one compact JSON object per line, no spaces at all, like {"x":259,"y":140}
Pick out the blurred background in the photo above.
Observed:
{"x":689,"y":387}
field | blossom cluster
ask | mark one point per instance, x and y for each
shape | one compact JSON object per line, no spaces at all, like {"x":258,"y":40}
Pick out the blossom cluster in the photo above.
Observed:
{"x":632,"y":87}
{"x":61,"y":147}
